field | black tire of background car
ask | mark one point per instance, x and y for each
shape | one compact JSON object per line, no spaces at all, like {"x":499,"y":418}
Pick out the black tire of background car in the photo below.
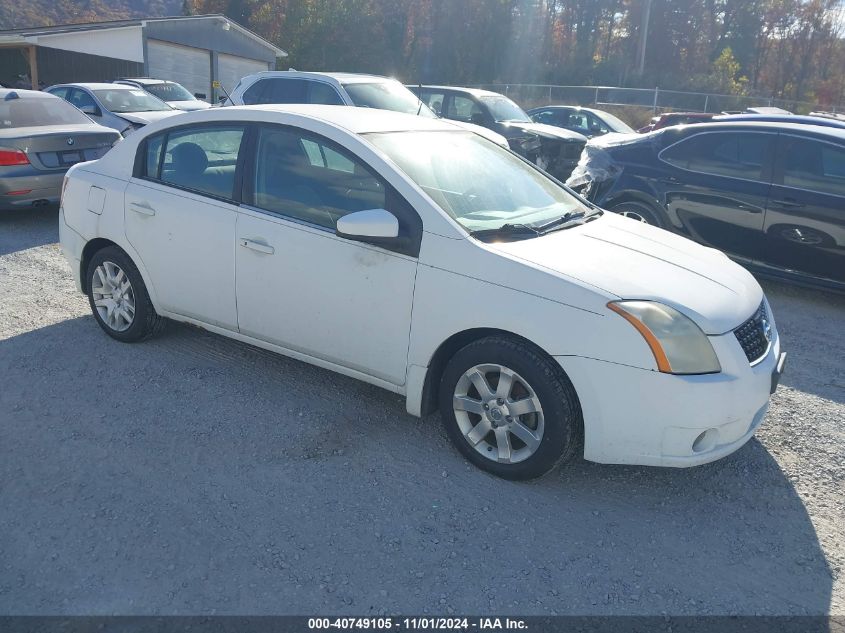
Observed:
{"x":147,"y":322}
{"x":644,"y":211}
{"x":563,"y":422}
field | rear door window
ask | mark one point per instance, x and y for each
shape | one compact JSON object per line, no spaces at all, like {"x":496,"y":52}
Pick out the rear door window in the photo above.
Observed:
{"x":814,"y":165}
{"x":202,"y":159}
{"x":738,"y":155}
{"x":323,"y":93}
{"x":277,"y":90}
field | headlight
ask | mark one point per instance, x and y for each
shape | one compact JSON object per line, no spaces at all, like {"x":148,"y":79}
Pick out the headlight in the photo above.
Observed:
{"x":678,"y":344}
{"x":525,"y":144}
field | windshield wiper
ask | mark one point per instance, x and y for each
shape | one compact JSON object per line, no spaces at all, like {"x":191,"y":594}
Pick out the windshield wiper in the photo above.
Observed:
{"x":506,"y":230}
{"x":572,"y":218}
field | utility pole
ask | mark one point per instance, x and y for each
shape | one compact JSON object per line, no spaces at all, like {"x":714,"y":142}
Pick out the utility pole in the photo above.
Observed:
{"x":643,"y":37}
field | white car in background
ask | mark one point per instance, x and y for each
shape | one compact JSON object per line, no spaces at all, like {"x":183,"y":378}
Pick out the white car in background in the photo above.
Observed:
{"x":173,"y":94}
{"x":122,"y":108}
{"x":428,"y":261}
{"x":349,"y":89}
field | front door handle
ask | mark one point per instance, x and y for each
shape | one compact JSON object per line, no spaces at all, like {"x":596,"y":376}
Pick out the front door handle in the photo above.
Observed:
{"x":257,"y":246}
{"x":143,"y":208}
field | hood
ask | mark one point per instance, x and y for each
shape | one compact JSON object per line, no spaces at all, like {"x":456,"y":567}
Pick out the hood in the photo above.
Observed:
{"x":189,"y":106}
{"x":632,"y":260}
{"x":548,"y":131}
{"x":487,"y":133}
{"x":145,"y":118}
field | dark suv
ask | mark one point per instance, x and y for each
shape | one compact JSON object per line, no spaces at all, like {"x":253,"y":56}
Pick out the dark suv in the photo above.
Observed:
{"x":771,"y":195}
{"x":551,"y":148}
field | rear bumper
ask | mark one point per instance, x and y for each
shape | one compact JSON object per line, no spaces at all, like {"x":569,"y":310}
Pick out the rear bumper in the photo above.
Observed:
{"x":636,"y":416}
{"x":72,"y":244}
{"x":40,"y":190}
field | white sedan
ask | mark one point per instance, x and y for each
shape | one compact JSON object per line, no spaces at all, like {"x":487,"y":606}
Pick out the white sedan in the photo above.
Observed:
{"x":433,"y":263}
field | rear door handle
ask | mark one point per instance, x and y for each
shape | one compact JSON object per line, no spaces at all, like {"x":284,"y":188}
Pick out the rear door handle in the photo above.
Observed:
{"x":788,"y":203}
{"x":143,"y":208}
{"x":257,"y":246}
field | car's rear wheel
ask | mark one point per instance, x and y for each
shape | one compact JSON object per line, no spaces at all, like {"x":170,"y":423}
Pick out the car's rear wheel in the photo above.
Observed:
{"x":637,"y":211}
{"x":118,"y":297}
{"x":509,"y":408}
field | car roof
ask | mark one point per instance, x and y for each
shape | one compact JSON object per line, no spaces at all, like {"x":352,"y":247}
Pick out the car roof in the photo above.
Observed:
{"x":567,"y":107}
{"x":773,"y":126}
{"x":783,"y":118}
{"x":146,"y":81}
{"x":355,"y":120}
{"x":96,"y":86}
{"x":698,"y":115}
{"x":478,"y":92}
{"x":25,"y":94}
{"x":343,"y":78}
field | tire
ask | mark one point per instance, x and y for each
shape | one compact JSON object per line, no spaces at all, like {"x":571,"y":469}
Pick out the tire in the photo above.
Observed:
{"x":538,"y":397}
{"x":638,"y":211}
{"x":124,"y":312}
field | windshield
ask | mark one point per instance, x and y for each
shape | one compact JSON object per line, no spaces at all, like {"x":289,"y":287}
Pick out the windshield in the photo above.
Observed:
{"x":170,"y":92}
{"x":481,"y":185}
{"x":132,"y":100}
{"x":387,"y":95}
{"x":37,"y":112}
{"x":617,"y":124}
{"x":505,"y":110}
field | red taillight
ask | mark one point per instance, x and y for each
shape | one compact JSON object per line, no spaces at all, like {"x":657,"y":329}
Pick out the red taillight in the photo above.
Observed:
{"x":10,"y":157}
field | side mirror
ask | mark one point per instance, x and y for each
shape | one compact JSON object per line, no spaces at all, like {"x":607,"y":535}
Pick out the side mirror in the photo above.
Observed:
{"x":365,"y":225}
{"x":477,"y":118}
{"x":91,"y":110}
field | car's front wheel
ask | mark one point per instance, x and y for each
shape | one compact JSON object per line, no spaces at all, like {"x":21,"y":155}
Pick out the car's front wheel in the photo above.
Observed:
{"x":637,"y":211}
{"x":509,"y":408}
{"x":119,"y":298}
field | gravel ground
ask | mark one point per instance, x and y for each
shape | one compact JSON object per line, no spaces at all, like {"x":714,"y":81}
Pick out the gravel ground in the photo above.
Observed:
{"x":193,"y":474}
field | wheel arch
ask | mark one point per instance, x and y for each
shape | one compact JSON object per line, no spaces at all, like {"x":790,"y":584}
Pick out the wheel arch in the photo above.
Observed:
{"x":93,"y":246}
{"x":447,"y":349}
{"x":90,"y":249}
{"x":638,"y":197}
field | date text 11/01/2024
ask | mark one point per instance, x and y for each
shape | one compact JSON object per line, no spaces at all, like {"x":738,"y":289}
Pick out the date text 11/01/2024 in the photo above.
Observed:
{"x":423,"y":623}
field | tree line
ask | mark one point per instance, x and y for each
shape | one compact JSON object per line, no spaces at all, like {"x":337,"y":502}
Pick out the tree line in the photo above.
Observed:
{"x":786,"y":49}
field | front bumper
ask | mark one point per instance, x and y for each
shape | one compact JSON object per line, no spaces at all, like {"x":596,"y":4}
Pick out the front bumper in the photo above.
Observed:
{"x":637,"y":416}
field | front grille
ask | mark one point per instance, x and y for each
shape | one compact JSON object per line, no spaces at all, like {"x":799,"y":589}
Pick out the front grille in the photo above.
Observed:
{"x":754,"y":335}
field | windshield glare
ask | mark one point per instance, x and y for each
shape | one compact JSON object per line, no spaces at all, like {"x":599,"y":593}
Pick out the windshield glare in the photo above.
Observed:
{"x":132,"y":100}
{"x":481,"y":185}
{"x":170,"y":92}
{"x":387,"y":95}
{"x":505,"y":110}
{"x":37,"y":112}
{"x":617,"y":124}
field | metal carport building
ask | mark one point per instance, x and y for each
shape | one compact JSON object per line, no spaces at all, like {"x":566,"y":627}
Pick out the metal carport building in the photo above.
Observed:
{"x":194,"y":51}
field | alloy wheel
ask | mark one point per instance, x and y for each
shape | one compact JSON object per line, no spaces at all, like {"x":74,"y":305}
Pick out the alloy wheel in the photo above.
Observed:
{"x":498,"y":413}
{"x":113,"y":296}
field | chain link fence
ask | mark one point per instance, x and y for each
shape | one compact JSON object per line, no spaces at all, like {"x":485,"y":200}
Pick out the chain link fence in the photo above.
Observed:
{"x":654,"y":99}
